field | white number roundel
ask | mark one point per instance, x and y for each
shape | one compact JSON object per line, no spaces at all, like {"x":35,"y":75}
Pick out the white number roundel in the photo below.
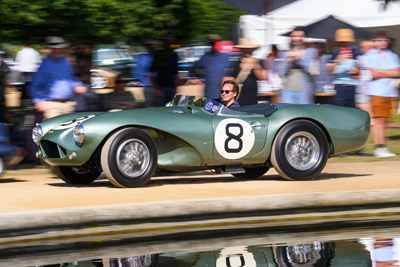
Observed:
{"x":234,"y":138}
{"x":235,"y":257}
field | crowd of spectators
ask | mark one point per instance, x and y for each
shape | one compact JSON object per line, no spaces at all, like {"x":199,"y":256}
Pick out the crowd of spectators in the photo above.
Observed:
{"x":356,"y":77}
{"x":352,"y":76}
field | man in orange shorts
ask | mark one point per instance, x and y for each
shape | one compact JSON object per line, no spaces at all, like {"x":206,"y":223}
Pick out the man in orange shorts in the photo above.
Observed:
{"x":384,"y":65}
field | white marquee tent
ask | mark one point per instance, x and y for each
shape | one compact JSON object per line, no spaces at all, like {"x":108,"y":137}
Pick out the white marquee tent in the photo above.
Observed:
{"x":370,"y":14}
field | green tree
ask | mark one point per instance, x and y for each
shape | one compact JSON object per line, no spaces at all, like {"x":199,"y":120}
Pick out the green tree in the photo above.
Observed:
{"x":213,"y":16}
{"x":76,"y":20}
{"x":88,"y":22}
{"x":104,"y":21}
{"x":387,"y":2}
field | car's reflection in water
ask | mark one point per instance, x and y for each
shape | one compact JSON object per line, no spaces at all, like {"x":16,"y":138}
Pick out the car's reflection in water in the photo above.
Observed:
{"x":318,"y":254}
{"x":139,"y":261}
{"x":314,"y":254}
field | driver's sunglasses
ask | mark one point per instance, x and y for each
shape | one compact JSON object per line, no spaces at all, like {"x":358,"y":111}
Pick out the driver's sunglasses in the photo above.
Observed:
{"x":225,"y":91}
{"x":119,"y":82}
{"x":380,"y":40}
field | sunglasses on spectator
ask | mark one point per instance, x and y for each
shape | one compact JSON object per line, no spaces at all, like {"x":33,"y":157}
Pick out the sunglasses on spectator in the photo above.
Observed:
{"x":380,"y":40}
{"x":226,"y":91}
{"x":120,"y":82}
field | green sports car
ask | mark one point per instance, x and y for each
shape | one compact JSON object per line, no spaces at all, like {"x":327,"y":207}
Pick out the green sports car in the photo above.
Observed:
{"x":196,"y":133}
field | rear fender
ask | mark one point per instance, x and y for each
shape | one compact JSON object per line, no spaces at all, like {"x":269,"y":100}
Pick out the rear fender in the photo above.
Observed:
{"x":346,"y":129}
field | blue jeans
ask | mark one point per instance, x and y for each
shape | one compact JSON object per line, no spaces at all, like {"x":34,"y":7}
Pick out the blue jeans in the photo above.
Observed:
{"x":345,"y":96}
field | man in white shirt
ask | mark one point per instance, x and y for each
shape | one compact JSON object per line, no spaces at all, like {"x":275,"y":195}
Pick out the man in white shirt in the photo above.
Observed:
{"x":28,"y":61}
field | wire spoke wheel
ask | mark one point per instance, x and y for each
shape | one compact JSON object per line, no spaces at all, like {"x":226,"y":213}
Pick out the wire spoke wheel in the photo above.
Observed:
{"x":302,"y":150}
{"x":1,"y":166}
{"x":129,"y":158}
{"x":133,"y":157}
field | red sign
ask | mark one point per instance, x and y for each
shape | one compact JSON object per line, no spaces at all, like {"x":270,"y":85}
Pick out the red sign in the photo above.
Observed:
{"x":225,"y":47}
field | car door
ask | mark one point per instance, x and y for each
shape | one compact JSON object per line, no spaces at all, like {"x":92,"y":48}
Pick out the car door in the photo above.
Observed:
{"x":238,"y":137}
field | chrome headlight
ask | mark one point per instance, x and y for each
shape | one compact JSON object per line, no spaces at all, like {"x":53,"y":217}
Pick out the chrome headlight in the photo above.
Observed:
{"x":37,"y":133}
{"x":79,"y":134}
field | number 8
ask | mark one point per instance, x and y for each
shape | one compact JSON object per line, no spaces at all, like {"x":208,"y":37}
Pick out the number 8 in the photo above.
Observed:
{"x":234,"y":137}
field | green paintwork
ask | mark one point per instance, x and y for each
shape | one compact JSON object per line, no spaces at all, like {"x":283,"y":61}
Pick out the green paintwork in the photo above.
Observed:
{"x":186,"y":140}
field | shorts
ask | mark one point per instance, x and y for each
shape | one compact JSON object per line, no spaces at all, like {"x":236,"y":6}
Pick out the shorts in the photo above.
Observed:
{"x":381,"y":106}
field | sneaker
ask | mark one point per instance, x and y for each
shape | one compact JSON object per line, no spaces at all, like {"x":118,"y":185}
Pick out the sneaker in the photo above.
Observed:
{"x":383,"y":152}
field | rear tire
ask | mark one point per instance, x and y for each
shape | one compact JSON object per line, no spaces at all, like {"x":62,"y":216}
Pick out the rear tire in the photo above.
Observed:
{"x":300,"y":151}
{"x":72,"y":175}
{"x":252,"y":173}
{"x":314,"y":254}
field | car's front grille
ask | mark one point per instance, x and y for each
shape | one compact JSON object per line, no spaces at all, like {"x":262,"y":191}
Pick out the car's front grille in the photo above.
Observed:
{"x":52,"y":150}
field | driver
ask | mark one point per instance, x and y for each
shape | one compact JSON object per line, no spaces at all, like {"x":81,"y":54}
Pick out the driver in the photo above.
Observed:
{"x":229,"y":92}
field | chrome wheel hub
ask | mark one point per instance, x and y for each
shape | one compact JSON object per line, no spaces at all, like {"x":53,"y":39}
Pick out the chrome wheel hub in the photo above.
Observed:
{"x":302,"y":150}
{"x":133,"y":157}
{"x":305,"y":254}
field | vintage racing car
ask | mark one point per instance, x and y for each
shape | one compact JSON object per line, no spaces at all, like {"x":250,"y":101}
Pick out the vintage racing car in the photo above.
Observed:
{"x":196,"y":133}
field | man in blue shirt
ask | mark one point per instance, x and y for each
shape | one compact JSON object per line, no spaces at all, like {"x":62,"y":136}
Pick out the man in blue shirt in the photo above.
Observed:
{"x":54,"y":84}
{"x":142,"y":72}
{"x":215,"y":65}
{"x":384,"y":65}
{"x":229,"y":92}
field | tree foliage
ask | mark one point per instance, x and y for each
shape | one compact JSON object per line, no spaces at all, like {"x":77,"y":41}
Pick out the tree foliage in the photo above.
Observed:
{"x":387,"y":2}
{"x":86,"y":23}
{"x":106,"y":21}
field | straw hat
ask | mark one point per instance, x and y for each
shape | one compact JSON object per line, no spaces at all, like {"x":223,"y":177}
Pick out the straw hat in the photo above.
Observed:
{"x":55,"y":42}
{"x":344,"y":35}
{"x":246,"y":43}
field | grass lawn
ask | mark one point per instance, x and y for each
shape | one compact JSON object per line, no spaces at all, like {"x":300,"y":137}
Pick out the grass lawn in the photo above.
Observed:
{"x":393,"y":145}
{"x":395,"y":120}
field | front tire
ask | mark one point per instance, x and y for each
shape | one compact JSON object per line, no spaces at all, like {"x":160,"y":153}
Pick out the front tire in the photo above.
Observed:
{"x":129,"y":158}
{"x":252,"y":173}
{"x":75,"y":175}
{"x":2,"y":168}
{"x":300,"y":151}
